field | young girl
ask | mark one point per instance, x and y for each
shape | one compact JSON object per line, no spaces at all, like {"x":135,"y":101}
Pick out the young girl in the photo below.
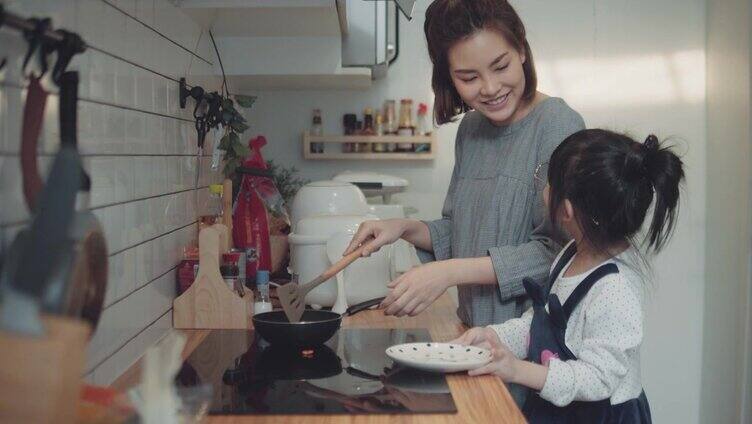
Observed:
{"x":578,"y":347}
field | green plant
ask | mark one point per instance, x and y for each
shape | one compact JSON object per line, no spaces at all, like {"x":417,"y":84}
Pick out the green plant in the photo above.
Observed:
{"x":286,"y":180}
{"x":235,"y":125}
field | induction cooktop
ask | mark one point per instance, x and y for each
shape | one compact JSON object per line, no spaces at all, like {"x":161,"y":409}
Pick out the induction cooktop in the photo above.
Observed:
{"x":350,"y":374}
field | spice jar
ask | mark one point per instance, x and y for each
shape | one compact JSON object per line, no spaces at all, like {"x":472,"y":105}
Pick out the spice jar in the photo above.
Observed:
{"x":349,"y":120}
{"x":390,"y":123}
{"x":367,"y":129}
{"x":423,"y":128}
{"x":356,"y":147}
{"x":229,"y":274}
{"x":406,"y":127}
{"x":379,"y":147}
{"x":390,"y":118}
{"x":317,"y":130}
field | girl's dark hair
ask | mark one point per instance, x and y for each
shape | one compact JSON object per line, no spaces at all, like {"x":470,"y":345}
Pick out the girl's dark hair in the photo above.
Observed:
{"x":611,"y":181}
{"x":449,"y":21}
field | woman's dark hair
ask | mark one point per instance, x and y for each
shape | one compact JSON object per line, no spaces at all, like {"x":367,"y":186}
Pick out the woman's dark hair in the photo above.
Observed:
{"x":449,"y":21}
{"x":611,"y":181}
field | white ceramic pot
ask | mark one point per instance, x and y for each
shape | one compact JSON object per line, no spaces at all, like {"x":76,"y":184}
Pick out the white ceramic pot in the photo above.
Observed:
{"x":364,"y":279}
{"x":327,"y":198}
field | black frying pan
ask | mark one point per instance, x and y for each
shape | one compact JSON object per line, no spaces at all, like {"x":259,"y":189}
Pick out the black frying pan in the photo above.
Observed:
{"x":314,"y":328}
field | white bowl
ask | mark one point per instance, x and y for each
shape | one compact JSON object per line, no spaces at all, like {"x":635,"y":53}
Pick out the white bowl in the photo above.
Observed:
{"x":439,"y":357}
{"x":327,"y":198}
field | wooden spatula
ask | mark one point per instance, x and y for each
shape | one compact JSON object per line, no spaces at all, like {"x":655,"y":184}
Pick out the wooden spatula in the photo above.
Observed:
{"x":292,"y":296}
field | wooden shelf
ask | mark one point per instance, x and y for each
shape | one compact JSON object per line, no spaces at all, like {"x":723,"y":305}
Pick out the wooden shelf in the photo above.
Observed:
{"x":340,"y":139}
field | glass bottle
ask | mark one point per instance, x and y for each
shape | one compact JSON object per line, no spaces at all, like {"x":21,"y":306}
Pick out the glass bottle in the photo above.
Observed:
{"x":212,"y":210}
{"x":262,"y":301}
{"x":390,"y":119}
{"x":406,"y":127}
{"x":390,"y":123}
{"x":355,"y":147}
{"x":367,"y":129}
{"x":317,"y":130}
{"x":379,"y":147}
{"x":424,"y":128}
{"x":349,"y":122}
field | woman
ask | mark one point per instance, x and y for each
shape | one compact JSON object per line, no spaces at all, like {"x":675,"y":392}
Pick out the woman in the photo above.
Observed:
{"x":493,"y":232}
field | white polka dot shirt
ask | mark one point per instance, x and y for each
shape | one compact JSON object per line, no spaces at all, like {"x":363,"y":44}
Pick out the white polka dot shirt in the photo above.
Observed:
{"x":604,"y":333}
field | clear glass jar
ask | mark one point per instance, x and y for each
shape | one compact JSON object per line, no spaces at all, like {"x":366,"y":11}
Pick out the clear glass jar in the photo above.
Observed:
{"x":390,"y":117}
{"x":212,"y":208}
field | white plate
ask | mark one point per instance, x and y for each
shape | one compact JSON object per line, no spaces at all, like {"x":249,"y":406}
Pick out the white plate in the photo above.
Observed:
{"x":439,"y":357}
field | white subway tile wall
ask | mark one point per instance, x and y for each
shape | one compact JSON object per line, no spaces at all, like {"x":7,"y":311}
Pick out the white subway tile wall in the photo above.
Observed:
{"x":138,"y":146}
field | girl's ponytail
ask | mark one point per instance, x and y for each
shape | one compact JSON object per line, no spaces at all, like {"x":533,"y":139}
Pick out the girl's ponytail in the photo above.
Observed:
{"x":665,"y":171}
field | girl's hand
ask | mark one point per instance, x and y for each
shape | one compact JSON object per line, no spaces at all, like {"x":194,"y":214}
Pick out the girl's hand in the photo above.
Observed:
{"x":482,"y":337}
{"x":412,"y":292}
{"x":504,"y":364}
{"x":383,"y":232}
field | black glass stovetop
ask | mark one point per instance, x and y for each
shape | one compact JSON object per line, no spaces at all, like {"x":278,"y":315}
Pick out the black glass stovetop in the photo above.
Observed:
{"x":351,"y":374}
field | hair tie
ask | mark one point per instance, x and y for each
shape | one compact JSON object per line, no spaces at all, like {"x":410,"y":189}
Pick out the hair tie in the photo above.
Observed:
{"x":651,"y":143}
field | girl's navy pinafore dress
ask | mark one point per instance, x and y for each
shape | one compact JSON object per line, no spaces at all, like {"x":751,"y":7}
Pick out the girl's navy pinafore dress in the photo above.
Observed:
{"x":547,"y":332}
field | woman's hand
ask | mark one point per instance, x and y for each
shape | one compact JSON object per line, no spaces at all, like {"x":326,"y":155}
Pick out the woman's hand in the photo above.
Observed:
{"x":383,"y":232}
{"x":504,"y":364}
{"x":483,"y":337}
{"x":412,"y":292}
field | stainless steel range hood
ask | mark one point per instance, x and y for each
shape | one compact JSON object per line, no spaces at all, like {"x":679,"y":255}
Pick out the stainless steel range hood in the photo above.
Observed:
{"x":302,"y":44}
{"x":406,"y":7}
{"x":371,"y":38}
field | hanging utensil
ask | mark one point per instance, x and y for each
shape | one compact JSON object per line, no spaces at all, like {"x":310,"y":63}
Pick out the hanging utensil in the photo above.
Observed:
{"x":41,"y":248}
{"x":33,"y":117}
{"x":78,"y":282}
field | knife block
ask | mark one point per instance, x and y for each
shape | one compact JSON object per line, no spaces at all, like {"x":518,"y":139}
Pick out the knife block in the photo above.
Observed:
{"x":209,"y":303}
{"x":40,"y":378}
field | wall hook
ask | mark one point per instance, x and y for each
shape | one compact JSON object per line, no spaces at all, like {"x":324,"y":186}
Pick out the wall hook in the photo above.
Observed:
{"x":184,"y":93}
{"x":37,"y":43}
{"x":71,"y":45}
{"x":197,"y":93}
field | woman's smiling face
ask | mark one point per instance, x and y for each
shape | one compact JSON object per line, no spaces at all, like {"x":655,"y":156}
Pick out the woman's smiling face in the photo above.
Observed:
{"x":487,"y":72}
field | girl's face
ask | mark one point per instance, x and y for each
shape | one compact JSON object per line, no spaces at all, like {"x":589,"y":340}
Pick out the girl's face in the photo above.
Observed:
{"x":487,"y":72}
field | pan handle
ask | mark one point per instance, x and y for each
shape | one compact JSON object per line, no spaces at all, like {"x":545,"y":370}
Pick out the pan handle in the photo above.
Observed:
{"x":362,"y":374}
{"x":352,"y":310}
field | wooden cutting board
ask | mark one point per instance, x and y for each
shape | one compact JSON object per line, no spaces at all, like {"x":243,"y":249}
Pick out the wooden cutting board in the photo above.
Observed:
{"x":227,"y":207}
{"x":225,"y":238}
{"x":209,"y":303}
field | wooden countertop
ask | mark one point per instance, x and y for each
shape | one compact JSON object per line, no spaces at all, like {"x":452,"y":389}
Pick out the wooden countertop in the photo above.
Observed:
{"x":478,"y":399}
